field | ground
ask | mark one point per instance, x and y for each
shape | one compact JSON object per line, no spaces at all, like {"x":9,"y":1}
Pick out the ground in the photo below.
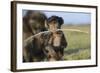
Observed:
{"x":79,"y":42}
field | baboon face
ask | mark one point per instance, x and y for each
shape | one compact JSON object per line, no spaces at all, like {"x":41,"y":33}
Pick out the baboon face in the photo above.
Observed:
{"x":35,"y":21}
{"x":55,"y":22}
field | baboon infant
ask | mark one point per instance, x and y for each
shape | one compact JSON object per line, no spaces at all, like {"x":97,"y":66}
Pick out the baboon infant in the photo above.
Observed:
{"x":55,"y":50}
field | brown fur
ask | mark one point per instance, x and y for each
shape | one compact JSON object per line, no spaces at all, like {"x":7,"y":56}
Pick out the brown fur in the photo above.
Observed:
{"x":55,"y":50}
{"x":55,"y":22}
{"x":33,"y":23}
{"x":44,"y":46}
{"x":55,"y":47}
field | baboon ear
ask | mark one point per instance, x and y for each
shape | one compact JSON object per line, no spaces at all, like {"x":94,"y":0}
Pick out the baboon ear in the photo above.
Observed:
{"x":61,"y":21}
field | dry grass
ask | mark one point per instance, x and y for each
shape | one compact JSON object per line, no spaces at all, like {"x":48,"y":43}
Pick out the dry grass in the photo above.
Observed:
{"x":79,"y":44}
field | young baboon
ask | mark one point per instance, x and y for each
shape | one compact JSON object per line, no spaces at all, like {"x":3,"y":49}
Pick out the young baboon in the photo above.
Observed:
{"x":57,"y":43}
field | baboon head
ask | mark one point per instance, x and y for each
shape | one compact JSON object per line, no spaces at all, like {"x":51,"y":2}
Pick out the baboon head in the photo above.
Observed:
{"x":55,"y":22}
{"x":34,"y":21}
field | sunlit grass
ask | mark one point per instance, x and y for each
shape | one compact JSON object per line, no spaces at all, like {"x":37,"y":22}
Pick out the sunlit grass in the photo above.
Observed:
{"x":79,"y":44}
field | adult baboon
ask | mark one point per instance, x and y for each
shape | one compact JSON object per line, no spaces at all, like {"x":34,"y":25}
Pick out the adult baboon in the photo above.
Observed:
{"x":33,"y":23}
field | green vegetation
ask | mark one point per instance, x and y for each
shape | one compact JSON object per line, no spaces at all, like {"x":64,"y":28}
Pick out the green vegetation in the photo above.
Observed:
{"x":79,"y":43}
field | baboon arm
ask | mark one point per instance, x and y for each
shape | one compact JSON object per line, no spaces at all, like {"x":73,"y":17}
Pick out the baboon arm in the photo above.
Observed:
{"x":64,"y":42}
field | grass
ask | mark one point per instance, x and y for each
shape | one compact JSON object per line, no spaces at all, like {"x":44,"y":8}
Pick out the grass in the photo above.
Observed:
{"x":79,"y":43}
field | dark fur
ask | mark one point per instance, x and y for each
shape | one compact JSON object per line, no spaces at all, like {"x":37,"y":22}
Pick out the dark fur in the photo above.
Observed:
{"x":42,"y":46}
{"x":56,"y":20}
{"x":33,"y":23}
{"x":54,"y":49}
{"x":56,"y":52}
